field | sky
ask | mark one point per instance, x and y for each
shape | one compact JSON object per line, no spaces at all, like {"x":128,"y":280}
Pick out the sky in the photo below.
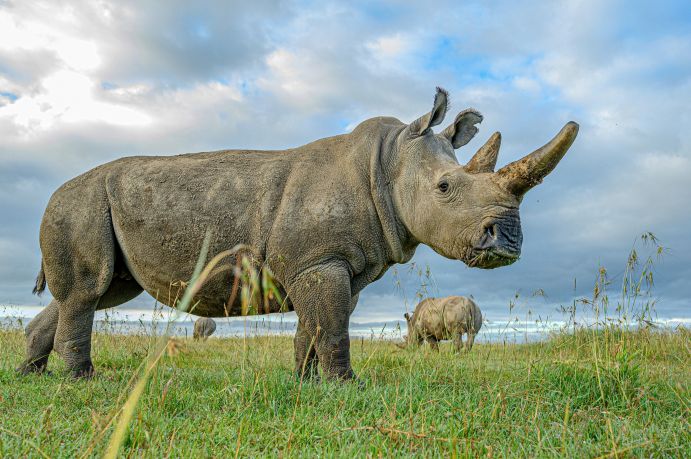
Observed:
{"x":83,"y":83}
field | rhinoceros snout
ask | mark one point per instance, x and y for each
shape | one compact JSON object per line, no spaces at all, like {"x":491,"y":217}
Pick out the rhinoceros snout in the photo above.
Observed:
{"x":499,"y":243}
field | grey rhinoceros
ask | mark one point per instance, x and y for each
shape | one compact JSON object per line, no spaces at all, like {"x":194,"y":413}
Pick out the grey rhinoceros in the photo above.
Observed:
{"x":437,"y":319}
{"x":203,"y":328}
{"x":328,"y":218}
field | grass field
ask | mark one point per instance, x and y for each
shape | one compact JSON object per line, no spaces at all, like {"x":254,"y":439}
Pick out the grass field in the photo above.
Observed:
{"x":610,"y":393}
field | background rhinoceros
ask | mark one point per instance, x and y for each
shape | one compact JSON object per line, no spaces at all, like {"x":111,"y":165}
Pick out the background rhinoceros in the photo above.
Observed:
{"x":437,"y":319}
{"x":327,"y":218}
{"x":203,"y":328}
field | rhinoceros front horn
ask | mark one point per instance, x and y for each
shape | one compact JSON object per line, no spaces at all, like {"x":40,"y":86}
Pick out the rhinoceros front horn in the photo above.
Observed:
{"x":520,"y":176}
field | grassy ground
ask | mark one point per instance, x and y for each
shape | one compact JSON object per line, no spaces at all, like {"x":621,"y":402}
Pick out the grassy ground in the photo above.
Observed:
{"x":581,"y":395}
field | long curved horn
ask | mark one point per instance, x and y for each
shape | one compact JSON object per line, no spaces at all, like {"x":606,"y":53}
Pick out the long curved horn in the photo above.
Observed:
{"x":486,"y":157}
{"x":520,"y":176}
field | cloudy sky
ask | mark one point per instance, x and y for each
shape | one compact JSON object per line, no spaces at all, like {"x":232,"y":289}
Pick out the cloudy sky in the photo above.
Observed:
{"x":82,"y":83}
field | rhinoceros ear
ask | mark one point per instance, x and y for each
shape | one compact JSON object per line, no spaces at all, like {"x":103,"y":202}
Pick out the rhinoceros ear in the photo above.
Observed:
{"x":463,"y":129}
{"x":436,"y":116}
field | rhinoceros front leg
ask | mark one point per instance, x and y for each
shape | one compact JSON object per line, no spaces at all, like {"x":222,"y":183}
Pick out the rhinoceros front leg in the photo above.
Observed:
{"x":322,"y":300}
{"x":306,"y":360}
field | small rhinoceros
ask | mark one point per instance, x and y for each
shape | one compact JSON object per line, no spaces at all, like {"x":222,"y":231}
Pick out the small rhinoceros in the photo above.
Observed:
{"x":203,"y":328}
{"x":327,"y":218}
{"x":437,"y":319}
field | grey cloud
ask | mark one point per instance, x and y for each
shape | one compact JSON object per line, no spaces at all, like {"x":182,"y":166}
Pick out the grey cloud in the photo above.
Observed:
{"x":185,"y":41}
{"x":25,"y":68}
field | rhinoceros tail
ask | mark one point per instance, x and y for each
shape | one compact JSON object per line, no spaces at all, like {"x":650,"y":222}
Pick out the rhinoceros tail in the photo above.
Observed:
{"x":40,"y":282}
{"x":475,"y":317}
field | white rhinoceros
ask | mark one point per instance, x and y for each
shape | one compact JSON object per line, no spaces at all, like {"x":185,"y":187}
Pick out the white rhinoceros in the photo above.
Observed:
{"x":328,"y":218}
{"x":438,"y":319}
{"x":203,"y":328}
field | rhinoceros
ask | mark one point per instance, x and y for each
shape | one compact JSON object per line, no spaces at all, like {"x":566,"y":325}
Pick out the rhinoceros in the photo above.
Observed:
{"x":327,"y":218}
{"x":203,"y":328}
{"x":437,"y":319}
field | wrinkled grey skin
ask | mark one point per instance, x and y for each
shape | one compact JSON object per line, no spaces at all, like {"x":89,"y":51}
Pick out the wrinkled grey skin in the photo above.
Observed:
{"x":203,"y":328}
{"x":327,"y":218}
{"x":438,"y":319}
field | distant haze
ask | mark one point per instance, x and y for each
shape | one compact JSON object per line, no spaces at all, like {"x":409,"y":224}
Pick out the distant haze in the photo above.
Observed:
{"x":83,"y":83}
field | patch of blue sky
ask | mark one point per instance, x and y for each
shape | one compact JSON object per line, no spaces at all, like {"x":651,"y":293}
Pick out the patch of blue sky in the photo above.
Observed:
{"x":639,"y":21}
{"x":381,"y":11}
{"x":9,"y":95}
{"x":334,"y":124}
{"x":346,"y":124}
{"x":245,"y":87}
{"x":199,"y":29}
{"x":446,"y":54}
{"x":191,"y":29}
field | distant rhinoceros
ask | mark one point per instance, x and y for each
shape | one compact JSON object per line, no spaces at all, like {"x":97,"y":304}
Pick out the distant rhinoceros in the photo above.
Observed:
{"x":328,"y":218}
{"x":437,"y":319}
{"x":203,"y":328}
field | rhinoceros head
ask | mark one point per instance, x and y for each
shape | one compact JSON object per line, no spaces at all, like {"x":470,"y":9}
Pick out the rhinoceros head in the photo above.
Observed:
{"x":466,"y":212}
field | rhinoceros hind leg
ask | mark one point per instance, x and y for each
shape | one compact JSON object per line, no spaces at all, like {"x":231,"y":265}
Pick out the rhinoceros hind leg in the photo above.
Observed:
{"x":79,"y":254}
{"x":73,"y":336}
{"x":469,"y":341}
{"x":75,"y":323}
{"x":458,"y":342}
{"x":433,"y":343}
{"x":40,"y":334}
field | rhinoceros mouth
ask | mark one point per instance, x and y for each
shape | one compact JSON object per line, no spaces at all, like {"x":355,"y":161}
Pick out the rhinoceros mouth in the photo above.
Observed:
{"x":492,"y":258}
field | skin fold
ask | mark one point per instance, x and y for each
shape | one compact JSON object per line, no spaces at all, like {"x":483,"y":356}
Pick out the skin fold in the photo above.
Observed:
{"x":327,"y":218}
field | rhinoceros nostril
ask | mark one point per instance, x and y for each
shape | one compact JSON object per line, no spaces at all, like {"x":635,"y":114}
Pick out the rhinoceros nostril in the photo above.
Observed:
{"x":491,"y":231}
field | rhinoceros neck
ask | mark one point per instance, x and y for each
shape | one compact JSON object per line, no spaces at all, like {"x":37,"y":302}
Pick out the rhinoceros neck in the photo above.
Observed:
{"x":401,"y":245}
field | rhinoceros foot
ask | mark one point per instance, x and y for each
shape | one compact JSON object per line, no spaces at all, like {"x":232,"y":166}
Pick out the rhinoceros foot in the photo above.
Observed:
{"x":37,"y":366}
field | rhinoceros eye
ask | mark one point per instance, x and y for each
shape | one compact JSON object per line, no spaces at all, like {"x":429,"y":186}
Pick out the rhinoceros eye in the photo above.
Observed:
{"x":443,"y":186}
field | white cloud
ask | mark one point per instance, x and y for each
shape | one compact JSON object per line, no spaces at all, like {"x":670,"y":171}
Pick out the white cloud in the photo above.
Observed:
{"x":390,"y":46}
{"x":68,"y":97}
{"x":524,"y":83}
{"x":19,"y":35}
{"x":68,"y":93}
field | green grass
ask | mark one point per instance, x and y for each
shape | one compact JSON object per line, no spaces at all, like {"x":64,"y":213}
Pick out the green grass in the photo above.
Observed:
{"x":582,"y":395}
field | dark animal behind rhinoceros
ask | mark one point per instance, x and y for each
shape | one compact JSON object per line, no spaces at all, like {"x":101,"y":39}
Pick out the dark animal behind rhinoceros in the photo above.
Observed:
{"x":203,"y":328}
{"x":438,"y":319}
{"x":326,"y":218}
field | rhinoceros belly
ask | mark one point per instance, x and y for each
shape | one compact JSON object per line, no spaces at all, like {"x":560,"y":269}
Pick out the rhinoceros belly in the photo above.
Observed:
{"x":161,"y":216}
